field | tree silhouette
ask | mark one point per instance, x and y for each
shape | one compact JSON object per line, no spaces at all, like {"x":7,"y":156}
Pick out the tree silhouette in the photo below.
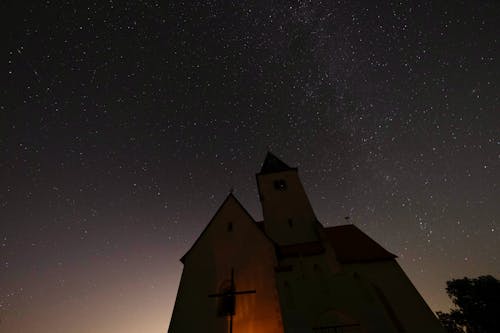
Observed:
{"x":477,"y":305}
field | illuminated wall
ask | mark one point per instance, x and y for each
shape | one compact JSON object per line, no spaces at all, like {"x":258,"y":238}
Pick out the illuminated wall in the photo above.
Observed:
{"x":230,"y":241}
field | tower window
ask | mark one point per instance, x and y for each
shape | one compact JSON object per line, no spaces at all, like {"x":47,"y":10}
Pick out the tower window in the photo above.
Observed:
{"x":290,"y":223}
{"x":280,"y":185}
{"x":230,"y":226}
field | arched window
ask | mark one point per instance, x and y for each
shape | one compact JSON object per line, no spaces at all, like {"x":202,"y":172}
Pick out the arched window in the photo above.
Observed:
{"x":388,"y":307}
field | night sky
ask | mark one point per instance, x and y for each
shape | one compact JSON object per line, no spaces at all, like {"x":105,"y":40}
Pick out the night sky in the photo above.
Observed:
{"x":124,"y":124}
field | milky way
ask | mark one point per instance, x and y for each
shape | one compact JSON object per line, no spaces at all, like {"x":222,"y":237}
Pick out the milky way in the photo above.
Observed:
{"x":124,"y":125}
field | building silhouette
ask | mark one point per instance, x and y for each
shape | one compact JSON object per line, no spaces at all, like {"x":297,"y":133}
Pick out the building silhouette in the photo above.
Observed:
{"x":290,"y":274}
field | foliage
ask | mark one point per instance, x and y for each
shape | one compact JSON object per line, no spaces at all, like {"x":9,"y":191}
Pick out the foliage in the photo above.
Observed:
{"x":477,"y":305}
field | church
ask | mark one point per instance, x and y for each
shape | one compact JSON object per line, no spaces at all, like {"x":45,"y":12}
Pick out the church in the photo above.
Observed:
{"x":290,"y":274}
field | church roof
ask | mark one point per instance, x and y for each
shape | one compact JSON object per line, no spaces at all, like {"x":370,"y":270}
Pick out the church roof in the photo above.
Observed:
{"x":353,"y":245}
{"x":273,"y":164}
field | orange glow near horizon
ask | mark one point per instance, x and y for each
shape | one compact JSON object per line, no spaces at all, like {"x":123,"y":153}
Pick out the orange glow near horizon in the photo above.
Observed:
{"x":130,"y":301}
{"x":125,"y":297}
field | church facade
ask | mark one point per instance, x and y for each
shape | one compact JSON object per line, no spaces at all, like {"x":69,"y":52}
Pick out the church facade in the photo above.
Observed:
{"x":289,"y":274}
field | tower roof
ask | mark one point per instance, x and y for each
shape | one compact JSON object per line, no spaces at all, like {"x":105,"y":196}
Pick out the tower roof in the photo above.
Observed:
{"x":273,"y":164}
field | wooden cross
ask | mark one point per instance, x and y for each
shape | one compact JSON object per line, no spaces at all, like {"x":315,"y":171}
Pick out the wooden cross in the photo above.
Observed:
{"x":229,"y":296}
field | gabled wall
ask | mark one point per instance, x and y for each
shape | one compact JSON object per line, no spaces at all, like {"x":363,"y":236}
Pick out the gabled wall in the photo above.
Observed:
{"x":231,"y":240}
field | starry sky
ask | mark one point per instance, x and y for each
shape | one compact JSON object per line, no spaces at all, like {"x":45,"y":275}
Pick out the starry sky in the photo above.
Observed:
{"x":124,"y":124}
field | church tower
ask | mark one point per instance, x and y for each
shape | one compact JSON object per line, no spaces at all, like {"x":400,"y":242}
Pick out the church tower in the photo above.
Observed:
{"x":288,"y":215}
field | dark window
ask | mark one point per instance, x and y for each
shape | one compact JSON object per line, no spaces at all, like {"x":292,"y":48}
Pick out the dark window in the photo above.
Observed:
{"x":230,"y":226}
{"x":290,"y":223}
{"x":280,"y":185}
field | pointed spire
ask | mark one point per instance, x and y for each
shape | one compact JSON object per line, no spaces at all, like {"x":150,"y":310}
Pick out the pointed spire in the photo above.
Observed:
{"x":273,"y":164}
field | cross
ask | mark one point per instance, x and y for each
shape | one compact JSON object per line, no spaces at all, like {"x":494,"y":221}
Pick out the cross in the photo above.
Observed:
{"x":229,"y":296}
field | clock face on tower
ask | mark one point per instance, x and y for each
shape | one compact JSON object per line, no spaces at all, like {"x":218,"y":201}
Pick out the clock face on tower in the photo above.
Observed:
{"x":280,"y":185}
